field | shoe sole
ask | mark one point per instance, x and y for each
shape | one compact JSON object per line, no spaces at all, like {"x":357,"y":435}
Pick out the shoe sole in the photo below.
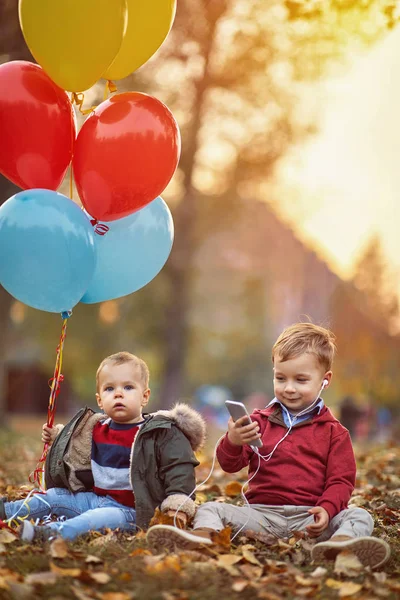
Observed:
{"x":371,"y":552}
{"x":166,"y":537}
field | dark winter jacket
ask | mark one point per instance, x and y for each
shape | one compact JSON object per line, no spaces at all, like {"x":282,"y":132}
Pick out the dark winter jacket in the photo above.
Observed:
{"x":162,"y":459}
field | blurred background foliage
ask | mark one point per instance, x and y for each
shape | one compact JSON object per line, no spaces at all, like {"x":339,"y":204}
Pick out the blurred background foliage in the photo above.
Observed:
{"x":236,"y":75}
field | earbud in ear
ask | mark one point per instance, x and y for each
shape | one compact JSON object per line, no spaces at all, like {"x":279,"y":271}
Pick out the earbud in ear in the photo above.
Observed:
{"x":325,"y":383}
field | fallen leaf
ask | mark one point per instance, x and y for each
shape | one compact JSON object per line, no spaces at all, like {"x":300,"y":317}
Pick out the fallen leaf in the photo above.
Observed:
{"x":115,"y":596}
{"x":319,"y":572}
{"x":251,"y":572}
{"x":347,"y":564}
{"x":266,"y":538}
{"x":44,"y":578}
{"x":169,"y":563}
{"x":174,"y":595}
{"x":7,"y":537}
{"x":3,"y":583}
{"x":140,"y":552}
{"x":222,"y":539}
{"x":239,"y":585}
{"x":233,"y":489}
{"x":264,"y":595}
{"x":103,"y":540}
{"x":74,"y":572}
{"x":394,"y":585}
{"x":249,"y":556}
{"x":305,"y":581}
{"x":201,"y":498}
{"x":58,"y":548}
{"x":348,"y":588}
{"x":100,"y":577}
{"x":333,"y":583}
{"x":90,"y":559}
{"x":228,"y":559}
{"x":305,"y":592}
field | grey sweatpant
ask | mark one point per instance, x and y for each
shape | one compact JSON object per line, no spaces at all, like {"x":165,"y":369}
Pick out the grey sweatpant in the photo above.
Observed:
{"x":280,"y":521}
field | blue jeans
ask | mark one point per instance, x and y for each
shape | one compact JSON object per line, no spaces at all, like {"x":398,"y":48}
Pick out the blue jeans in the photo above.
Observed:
{"x":84,"y":511}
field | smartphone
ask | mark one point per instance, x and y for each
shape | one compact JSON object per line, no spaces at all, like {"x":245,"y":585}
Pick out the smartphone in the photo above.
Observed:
{"x":237,"y":410}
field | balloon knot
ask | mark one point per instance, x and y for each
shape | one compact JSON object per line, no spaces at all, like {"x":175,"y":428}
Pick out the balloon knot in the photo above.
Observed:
{"x":101,"y":229}
{"x":66,"y":314}
{"x":111,"y":86}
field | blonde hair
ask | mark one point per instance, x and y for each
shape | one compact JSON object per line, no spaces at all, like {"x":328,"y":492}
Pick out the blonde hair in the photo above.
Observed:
{"x":121,"y":358}
{"x":302,"y":338}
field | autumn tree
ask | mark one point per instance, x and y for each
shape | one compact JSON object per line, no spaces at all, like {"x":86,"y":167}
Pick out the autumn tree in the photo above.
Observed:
{"x":376,"y":279}
{"x":233,"y":74}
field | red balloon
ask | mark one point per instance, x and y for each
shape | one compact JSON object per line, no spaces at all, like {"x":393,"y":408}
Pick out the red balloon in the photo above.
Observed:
{"x":125,"y":155}
{"x":37,"y":127}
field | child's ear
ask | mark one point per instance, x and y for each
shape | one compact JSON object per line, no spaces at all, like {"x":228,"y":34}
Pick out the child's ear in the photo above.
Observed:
{"x":146,"y":397}
{"x":99,"y":402}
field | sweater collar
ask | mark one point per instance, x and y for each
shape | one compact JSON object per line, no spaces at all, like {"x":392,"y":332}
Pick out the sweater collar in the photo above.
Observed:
{"x":290,"y":419}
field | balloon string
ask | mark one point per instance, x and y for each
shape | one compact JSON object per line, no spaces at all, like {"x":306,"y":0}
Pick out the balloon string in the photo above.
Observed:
{"x":78,"y":98}
{"x":38,"y":474}
{"x":109,"y":88}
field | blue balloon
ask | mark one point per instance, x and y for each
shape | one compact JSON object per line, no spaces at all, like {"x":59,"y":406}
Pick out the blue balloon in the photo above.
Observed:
{"x":130,"y":252}
{"x":47,"y":250}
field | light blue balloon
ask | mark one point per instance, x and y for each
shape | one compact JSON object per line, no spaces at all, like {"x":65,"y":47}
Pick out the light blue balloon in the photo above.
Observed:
{"x":47,"y":250}
{"x":131,"y":252}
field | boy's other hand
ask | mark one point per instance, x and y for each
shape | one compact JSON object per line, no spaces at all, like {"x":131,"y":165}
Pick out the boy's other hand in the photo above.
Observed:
{"x":241,"y":433}
{"x":321,"y":521}
{"x":49,"y":434}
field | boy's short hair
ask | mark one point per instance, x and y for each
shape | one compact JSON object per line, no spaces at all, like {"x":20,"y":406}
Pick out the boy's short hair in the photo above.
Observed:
{"x":302,"y":338}
{"x":121,"y":358}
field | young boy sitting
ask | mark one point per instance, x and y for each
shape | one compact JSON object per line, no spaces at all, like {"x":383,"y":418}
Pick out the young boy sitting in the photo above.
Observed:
{"x":112,"y":470}
{"x":305,"y":472}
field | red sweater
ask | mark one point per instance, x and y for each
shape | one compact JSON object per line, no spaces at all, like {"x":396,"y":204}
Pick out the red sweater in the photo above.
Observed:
{"x":313,"y":466}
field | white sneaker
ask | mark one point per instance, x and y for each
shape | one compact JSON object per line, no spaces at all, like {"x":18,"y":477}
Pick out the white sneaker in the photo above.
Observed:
{"x":167,"y":537}
{"x":36,"y":533}
{"x":370,"y":551}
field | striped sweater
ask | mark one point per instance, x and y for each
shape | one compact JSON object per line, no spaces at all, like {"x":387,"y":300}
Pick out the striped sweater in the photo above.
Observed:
{"x":111,"y":450}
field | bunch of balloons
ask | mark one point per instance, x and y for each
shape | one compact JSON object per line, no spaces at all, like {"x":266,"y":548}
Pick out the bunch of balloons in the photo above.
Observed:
{"x":54,"y":254}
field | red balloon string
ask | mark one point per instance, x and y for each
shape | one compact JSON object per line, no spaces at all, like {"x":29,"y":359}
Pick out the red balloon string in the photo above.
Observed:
{"x":54,"y":383}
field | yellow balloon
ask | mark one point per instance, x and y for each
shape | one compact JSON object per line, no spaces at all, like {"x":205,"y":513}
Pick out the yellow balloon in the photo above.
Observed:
{"x":74,"y":41}
{"x":149,"y":22}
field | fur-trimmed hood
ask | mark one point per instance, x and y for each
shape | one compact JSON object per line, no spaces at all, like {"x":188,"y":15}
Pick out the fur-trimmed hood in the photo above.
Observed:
{"x":189,"y":421}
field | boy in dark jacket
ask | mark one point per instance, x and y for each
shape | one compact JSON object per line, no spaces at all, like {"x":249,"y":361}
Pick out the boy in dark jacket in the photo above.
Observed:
{"x":304,"y":474}
{"x":112,"y":470}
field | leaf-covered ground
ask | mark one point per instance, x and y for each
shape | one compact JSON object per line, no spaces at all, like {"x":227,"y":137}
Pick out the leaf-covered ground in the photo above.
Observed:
{"x":117,"y":566}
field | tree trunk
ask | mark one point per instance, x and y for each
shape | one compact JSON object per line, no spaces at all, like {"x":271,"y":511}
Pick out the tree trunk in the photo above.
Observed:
{"x":178,"y":267}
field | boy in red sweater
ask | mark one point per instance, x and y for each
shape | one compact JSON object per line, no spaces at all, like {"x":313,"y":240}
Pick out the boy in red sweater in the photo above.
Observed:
{"x":303,"y":476}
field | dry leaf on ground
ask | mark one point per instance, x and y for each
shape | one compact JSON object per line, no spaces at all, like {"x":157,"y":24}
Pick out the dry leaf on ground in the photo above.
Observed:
{"x":7,"y":537}
{"x":58,"y":548}
{"x":233,"y":489}
{"x":101,"y":578}
{"x":74,"y":572}
{"x":45,"y":578}
{"x":348,"y":564}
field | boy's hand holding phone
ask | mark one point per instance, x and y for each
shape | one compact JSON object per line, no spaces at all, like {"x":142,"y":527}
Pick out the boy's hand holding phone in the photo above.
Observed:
{"x":240,"y":432}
